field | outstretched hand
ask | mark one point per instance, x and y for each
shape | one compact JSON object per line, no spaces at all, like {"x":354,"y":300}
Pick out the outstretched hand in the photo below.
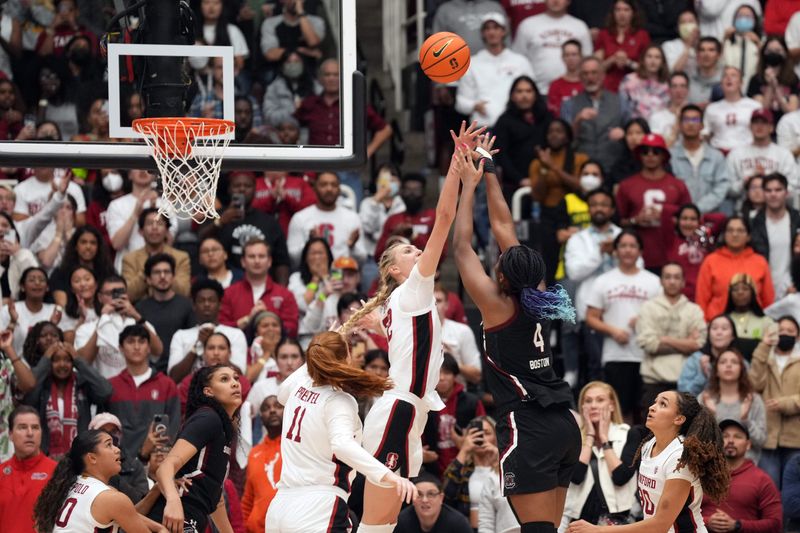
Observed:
{"x":464,"y":168}
{"x":486,"y":142}
{"x":467,"y":135}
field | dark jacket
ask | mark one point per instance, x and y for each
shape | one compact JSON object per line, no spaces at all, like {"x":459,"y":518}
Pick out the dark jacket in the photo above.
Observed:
{"x":92,"y":389}
{"x":591,"y":136}
{"x":661,"y":17}
{"x":759,"y":239}
{"x":132,"y":478}
{"x":518,"y":139}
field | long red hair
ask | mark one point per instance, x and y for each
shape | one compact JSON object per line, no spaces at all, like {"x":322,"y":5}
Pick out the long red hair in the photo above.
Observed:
{"x":326,"y":361}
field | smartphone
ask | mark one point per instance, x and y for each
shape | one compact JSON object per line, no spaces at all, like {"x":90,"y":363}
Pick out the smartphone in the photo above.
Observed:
{"x":237,"y":201}
{"x":10,"y":236}
{"x":337,"y":274}
{"x":161,"y":424}
{"x":477,"y":424}
{"x":117,"y":293}
{"x":58,"y":175}
{"x":30,"y":120}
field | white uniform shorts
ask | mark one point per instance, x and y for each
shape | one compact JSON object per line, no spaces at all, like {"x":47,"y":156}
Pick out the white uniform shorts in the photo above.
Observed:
{"x":303,"y":510}
{"x":393,"y":434}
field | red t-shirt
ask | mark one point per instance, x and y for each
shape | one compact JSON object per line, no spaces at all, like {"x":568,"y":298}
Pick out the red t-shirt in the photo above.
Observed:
{"x":519,"y":10}
{"x":633,"y":45}
{"x":777,"y":14}
{"x":62,"y":37}
{"x":560,"y":91}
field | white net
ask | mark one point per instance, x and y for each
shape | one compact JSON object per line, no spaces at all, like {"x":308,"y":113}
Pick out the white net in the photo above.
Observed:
{"x":188,"y":153}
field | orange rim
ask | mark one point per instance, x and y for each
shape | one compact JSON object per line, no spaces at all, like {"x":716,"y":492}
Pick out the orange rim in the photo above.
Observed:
{"x":182,"y":132}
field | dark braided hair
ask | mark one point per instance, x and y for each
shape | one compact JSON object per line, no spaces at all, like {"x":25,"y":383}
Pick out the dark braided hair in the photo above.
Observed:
{"x":523,"y":269}
{"x":30,"y":348}
{"x":197,"y":400}
{"x":71,"y":465}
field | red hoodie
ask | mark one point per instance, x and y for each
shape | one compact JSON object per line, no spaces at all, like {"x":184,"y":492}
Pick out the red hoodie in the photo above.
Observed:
{"x":753,"y":499}
{"x":21,"y":482}
{"x":447,"y":420}
{"x":238,"y":302}
{"x":298,"y":195}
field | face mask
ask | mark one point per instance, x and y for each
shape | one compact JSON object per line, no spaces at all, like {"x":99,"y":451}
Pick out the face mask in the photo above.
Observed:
{"x":292,"y":70}
{"x":413,"y":203}
{"x":786,"y":342}
{"x":773,"y":59}
{"x":112,"y":182}
{"x":744,"y":24}
{"x":80,"y":56}
{"x":686,"y":29}
{"x":394,"y":188}
{"x":590,"y":182}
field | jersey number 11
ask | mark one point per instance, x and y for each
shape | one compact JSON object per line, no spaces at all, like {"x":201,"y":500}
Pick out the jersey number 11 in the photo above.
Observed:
{"x":298,"y":412}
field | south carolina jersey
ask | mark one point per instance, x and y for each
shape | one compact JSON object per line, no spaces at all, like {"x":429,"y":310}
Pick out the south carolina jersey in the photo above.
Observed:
{"x":414,"y":332}
{"x":654,"y":472}
{"x":75,"y":515}
{"x":520,"y":363}
{"x":321,"y":442}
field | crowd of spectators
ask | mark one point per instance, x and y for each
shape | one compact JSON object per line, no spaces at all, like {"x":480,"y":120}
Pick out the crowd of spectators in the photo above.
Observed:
{"x":659,"y":148}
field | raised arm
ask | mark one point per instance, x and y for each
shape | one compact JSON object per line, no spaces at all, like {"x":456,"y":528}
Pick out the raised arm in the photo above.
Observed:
{"x":502,"y":224}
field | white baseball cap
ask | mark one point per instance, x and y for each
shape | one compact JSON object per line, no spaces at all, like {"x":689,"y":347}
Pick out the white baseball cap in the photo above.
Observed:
{"x":495,"y":17}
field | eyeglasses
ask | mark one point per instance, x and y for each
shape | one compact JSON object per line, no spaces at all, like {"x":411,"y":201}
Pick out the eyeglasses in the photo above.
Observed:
{"x":647,"y":150}
{"x":691,"y":120}
{"x":429,"y":495}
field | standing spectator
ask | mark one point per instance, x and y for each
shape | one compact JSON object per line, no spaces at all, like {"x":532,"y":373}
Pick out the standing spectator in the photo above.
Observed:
{"x":777,"y":15}
{"x":519,"y":10}
{"x":646,"y":91}
{"x":700,"y":166}
{"x":788,"y":132}
{"x":293,"y":29}
{"x":792,"y":36}
{"x":86,"y":248}
{"x":482,"y":91}
{"x":33,"y":193}
{"x":669,"y":329}
{"x":593,"y":12}
{"x":282,"y":194}
{"x":31,"y":307}
{"x":257,"y":291}
{"x":708,"y":71}
{"x":661,"y":18}
{"x":743,"y":41}
{"x":308,"y":282}
{"x":775,"y":85}
{"x":141,"y":392}
{"x":773,"y":231}
{"x":289,"y":356}
{"x":568,"y":85}
{"x":112,"y":186}
{"x":621,"y":43}
{"x":213,"y":263}
{"x":339,"y":225}
{"x":761,"y":157}
{"x":754,"y":200}
{"x":613,"y":303}
{"x":429,"y":513}
{"x":697,"y":369}
{"x":323,"y":312}
{"x":213,"y":29}
{"x":775,"y":371}
{"x":539,"y":38}
{"x":595,"y":115}
{"x":155,"y":230}
{"x":465,"y":18}
{"x":415,"y":223}
{"x":26,"y":473}
{"x":732,"y":257}
{"x":294,"y":81}
{"x":716,"y":16}
{"x":82,"y":302}
{"x":665,"y":121}
{"x":690,"y":245}
{"x":458,"y":340}
{"x":681,"y":52}
{"x":648,"y":200}
{"x":627,"y":164}
{"x":727,"y":121}
{"x":377,"y":208}
{"x":263,"y":467}
{"x":743,"y":308}
{"x":520,"y":129}
{"x":753,"y":502}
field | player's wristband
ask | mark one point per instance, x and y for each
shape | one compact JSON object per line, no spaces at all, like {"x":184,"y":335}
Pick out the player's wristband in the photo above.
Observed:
{"x":488,"y":165}
{"x":483,"y":153}
{"x":607,"y":446}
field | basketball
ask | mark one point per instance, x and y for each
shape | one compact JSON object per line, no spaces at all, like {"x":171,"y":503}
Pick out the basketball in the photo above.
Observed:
{"x":444,"y":57}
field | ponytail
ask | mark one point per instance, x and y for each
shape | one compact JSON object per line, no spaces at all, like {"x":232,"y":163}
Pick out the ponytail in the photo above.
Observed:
{"x":386,"y":286}
{"x":523,"y":269}
{"x":326,"y":362}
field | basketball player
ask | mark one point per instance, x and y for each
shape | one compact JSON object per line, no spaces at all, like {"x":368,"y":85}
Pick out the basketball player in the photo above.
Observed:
{"x":538,"y":438}
{"x":321,"y":449}
{"x":682,"y":461}
{"x":78,"y":498}
{"x":408,"y":317}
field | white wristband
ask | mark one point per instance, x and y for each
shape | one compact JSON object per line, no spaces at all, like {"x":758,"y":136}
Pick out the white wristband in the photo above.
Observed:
{"x":484,"y":153}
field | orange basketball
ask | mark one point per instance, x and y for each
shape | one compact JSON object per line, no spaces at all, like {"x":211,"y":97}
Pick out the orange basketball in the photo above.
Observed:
{"x":444,"y":57}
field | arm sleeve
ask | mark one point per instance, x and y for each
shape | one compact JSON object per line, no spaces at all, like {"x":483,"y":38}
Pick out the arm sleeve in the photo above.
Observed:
{"x":417,"y":292}
{"x":342,"y":415}
{"x":579,"y":473}
{"x":627,"y":468}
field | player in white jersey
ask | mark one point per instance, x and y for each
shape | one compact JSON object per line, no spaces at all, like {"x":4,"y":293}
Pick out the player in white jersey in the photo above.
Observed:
{"x":393,"y":428}
{"x":78,"y":498}
{"x":682,"y":461}
{"x":321,"y":447}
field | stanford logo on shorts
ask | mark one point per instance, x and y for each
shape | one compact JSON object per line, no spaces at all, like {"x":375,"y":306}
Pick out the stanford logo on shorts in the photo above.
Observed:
{"x":508,"y":481}
{"x":392,"y":459}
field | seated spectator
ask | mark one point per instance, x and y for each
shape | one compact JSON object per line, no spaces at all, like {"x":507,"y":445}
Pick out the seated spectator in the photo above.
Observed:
{"x":50,"y":244}
{"x":339,"y":225}
{"x":613,"y":303}
{"x":86,"y":248}
{"x":734,"y":256}
{"x":294,"y":82}
{"x":282,"y":194}
{"x":743,"y":308}
{"x":375,"y":209}
{"x":249,"y":122}
{"x":263,"y":467}
{"x":753,"y":201}
{"x":213,"y":29}
{"x":648,"y":200}
{"x":788,"y":131}
{"x":307,"y":283}
{"x":31,"y":307}
{"x":729,"y":395}
{"x":293,"y":29}
{"x":727,"y":121}
{"x":289,"y":356}
{"x":697,"y":369}
{"x":94,"y":127}
{"x":7,"y":195}
{"x":11,"y":109}
{"x":166,"y":310}
{"x":680,"y":52}
{"x":494,"y":511}
{"x":761,"y":157}
{"x":33,"y":193}
{"x":112,"y":186}
{"x":595,"y":115}
{"x":97,"y":341}
{"x":701,"y":167}
{"x":132,"y":479}
{"x":690,"y":245}
{"x":15,"y":378}
{"x":266,"y":330}
{"x":83,"y":304}
{"x":789,"y":304}
{"x":14,"y":259}
{"x":26,"y":473}
{"x":209,"y":101}
{"x":141,"y":392}
{"x":621,"y":43}
{"x":240,"y":223}
{"x":415,"y":223}
{"x":344,"y":278}
{"x":707,"y":73}
{"x":791,"y":494}
{"x":257,"y":291}
{"x":41,"y":337}
{"x":775,"y":84}
{"x":482,"y":90}
{"x":55,"y":105}
{"x":743,"y":41}
{"x":774,"y":374}
{"x":375,"y":362}
{"x":753,"y":502}
{"x":66,"y":389}
{"x":665,"y":122}
{"x":646,"y":91}
{"x":661,"y":20}
{"x":602,"y":484}
{"x":520,"y":128}
{"x":475,"y":467}
{"x":361,"y":339}
{"x":458,"y":340}
{"x":568,"y":85}
{"x":213,"y":263}
{"x":627,"y":164}
{"x":716,"y":17}
{"x":429,"y":513}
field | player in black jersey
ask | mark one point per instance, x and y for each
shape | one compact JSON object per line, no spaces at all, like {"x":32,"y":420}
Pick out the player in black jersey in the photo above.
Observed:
{"x":538,"y":438}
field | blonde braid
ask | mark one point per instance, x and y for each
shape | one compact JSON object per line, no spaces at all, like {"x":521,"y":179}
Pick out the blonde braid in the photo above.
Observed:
{"x":385,"y":288}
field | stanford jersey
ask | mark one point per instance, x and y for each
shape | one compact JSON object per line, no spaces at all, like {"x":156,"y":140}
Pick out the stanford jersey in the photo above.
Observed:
{"x":75,"y":515}
{"x":654,"y":472}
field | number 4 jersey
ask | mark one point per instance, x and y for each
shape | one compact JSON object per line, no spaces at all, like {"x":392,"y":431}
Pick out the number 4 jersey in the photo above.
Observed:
{"x":75,"y":515}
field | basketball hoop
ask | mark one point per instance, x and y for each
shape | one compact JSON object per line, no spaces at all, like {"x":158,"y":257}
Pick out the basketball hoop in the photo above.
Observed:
{"x":188,"y":152}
